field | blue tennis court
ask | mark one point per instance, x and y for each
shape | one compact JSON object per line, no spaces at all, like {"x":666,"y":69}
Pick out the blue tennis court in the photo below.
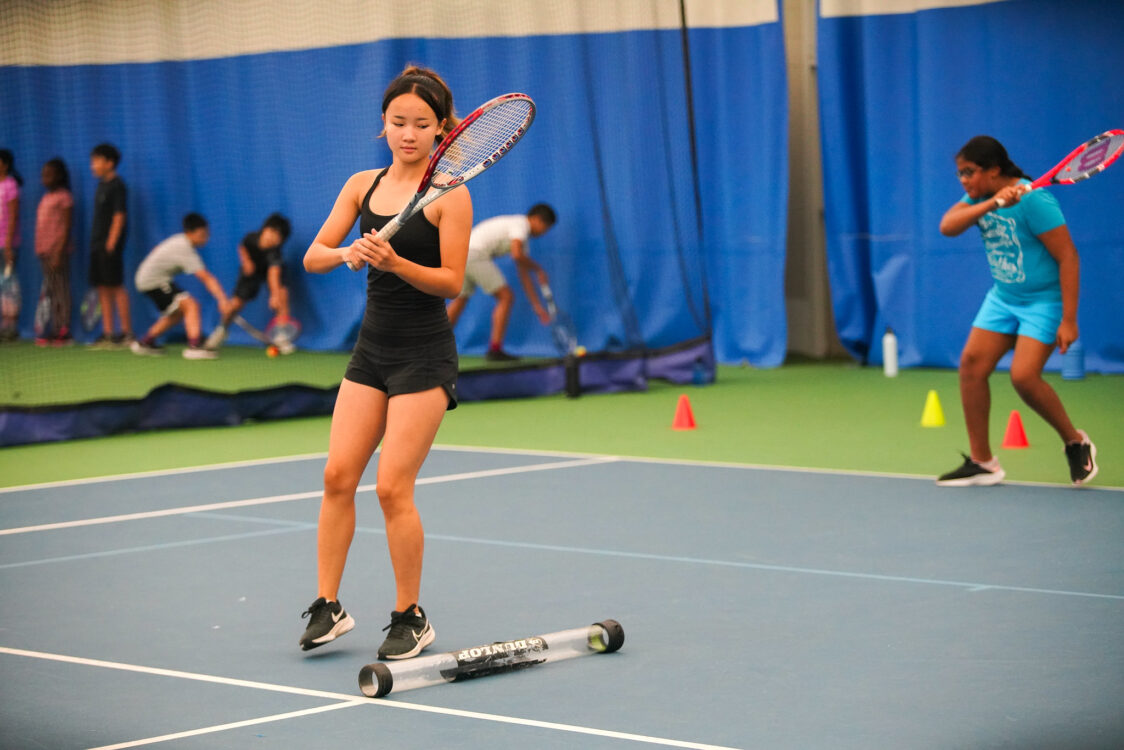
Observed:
{"x":762,"y":608}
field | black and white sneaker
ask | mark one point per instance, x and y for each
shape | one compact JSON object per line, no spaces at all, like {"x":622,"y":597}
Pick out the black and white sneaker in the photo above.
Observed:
{"x":327,"y":622}
{"x":971,"y":474}
{"x":410,"y":632}
{"x":1082,"y":458}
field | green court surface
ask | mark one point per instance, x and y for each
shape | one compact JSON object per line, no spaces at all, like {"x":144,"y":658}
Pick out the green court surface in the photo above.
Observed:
{"x":822,"y":415}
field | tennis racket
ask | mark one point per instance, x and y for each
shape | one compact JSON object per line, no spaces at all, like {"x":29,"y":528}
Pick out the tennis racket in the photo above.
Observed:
{"x":477,"y":143}
{"x":561,"y":327}
{"x":10,"y":297}
{"x":43,"y":312}
{"x":1093,"y":156}
{"x":282,"y":331}
{"x":90,"y":310}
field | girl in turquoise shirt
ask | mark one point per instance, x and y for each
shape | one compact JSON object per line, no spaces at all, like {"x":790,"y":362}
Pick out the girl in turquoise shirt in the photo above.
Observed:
{"x":1031,"y":308}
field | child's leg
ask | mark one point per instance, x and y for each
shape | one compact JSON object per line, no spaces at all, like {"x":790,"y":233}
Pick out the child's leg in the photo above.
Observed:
{"x":121,"y":302}
{"x":163,"y":323}
{"x":981,"y":354}
{"x":191,"y":322}
{"x":105,"y":298}
{"x":501,"y":314}
{"x":1026,"y":375}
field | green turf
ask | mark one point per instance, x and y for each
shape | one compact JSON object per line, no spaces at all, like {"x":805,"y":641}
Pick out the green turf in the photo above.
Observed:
{"x":816,"y":415}
{"x":36,"y":376}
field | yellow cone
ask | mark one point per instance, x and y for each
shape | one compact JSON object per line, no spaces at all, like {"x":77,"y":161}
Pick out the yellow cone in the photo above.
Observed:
{"x":933,"y":415}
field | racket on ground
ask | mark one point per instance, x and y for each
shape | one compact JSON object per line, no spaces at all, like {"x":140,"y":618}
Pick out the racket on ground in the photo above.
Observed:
{"x":1093,"y":156}
{"x":283,"y":330}
{"x":43,"y":312}
{"x":10,"y":297}
{"x":90,"y":310}
{"x":480,"y":140}
{"x":251,"y":329}
{"x":561,"y":327}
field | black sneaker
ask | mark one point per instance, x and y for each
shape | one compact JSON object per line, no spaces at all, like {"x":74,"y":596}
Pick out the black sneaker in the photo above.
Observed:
{"x":499,"y":355}
{"x":410,"y":632}
{"x":1082,"y":459}
{"x":971,"y":474}
{"x":327,"y":622}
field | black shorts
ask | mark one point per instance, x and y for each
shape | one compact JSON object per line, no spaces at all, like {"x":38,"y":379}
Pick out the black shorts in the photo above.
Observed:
{"x":106,"y":268}
{"x":247,"y":287}
{"x":166,"y":298}
{"x":396,"y":365}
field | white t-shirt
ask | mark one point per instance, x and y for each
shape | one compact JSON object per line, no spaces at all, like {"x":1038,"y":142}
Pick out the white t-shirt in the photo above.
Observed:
{"x":492,"y":237}
{"x":167,"y":260}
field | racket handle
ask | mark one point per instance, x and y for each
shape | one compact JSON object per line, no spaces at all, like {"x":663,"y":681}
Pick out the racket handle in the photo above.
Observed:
{"x":389,"y":230}
{"x":1023,"y":190}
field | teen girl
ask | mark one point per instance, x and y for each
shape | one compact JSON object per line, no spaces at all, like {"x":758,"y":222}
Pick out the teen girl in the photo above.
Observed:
{"x":402,"y":375}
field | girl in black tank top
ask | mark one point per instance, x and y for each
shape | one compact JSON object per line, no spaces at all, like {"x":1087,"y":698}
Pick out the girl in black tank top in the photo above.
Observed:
{"x":394,"y":306}
{"x":402,"y":374}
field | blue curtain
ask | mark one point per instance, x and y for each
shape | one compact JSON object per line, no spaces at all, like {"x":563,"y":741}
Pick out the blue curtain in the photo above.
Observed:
{"x":237,"y":138}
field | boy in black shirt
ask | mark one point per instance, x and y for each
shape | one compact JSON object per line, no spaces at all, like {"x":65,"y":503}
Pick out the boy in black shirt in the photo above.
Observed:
{"x":107,"y":247}
{"x":259,"y":256}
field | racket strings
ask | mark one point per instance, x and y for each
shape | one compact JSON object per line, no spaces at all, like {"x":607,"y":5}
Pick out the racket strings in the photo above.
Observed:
{"x":1099,"y":154}
{"x":482,"y":139}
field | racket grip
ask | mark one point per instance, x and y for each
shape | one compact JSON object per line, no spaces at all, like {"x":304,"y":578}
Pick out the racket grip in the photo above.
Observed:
{"x":389,"y":230}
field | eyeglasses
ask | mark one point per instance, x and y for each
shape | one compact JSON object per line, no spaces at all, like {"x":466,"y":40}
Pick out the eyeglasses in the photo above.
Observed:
{"x":967,"y":172}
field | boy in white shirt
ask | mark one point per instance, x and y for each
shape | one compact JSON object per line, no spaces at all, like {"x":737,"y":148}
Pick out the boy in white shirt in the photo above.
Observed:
{"x":155,"y":279}
{"x":491,"y":239}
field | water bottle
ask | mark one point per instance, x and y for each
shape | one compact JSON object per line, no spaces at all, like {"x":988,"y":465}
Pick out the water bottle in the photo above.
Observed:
{"x":890,"y":353}
{"x":1073,"y":362}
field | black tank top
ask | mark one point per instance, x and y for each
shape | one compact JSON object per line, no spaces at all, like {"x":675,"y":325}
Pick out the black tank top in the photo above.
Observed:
{"x":394,"y":306}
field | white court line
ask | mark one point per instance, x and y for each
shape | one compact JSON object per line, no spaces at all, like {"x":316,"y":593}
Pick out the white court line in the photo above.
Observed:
{"x":164,"y":472}
{"x":379,"y":702}
{"x":232,"y":725}
{"x":299,"y":496}
{"x":536,"y":452}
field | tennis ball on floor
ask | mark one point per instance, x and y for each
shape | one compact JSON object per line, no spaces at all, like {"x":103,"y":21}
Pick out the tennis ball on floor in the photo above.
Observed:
{"x":272,"y":351}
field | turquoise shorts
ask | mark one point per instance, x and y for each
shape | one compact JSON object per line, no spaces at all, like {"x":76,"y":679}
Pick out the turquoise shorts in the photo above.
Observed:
{"x":1039,"y":320}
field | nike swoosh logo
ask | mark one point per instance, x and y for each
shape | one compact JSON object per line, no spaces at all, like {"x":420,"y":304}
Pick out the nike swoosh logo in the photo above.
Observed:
{"x":337,"y":615}
{"x":1089,"y":465}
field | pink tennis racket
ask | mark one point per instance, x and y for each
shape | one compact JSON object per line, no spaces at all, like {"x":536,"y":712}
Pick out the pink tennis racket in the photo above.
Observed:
{"x":1093,"y":156}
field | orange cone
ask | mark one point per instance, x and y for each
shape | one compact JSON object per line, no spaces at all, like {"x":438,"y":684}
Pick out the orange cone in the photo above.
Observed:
{"x":684,"y":419}
{"x":1016,"y":435}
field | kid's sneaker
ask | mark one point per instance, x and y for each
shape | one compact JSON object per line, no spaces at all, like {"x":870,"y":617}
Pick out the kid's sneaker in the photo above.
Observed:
{"x":327,"y":622}
{"x":198,"y":352}
{"x":971,"y":474}
{"x":214,"y":341}
{"x":410,"y":632}
{"x":1082,"y":458}
{"x":146,"y":349}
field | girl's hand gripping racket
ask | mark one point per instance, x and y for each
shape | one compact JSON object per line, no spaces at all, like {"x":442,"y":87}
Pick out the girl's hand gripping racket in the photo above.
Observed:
{"x":478,"y":142}
{"x":1095,"y":155}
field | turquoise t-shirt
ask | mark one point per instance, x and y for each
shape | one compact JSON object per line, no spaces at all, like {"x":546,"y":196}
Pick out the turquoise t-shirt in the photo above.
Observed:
{"x":1023,"y":269}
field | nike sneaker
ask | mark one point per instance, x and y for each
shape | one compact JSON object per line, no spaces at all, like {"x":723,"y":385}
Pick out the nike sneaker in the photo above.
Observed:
{"x":971,"y":474}
{"x":410,"y":632}
{"x":327,"y":621}
{"x":1082,"y":458}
